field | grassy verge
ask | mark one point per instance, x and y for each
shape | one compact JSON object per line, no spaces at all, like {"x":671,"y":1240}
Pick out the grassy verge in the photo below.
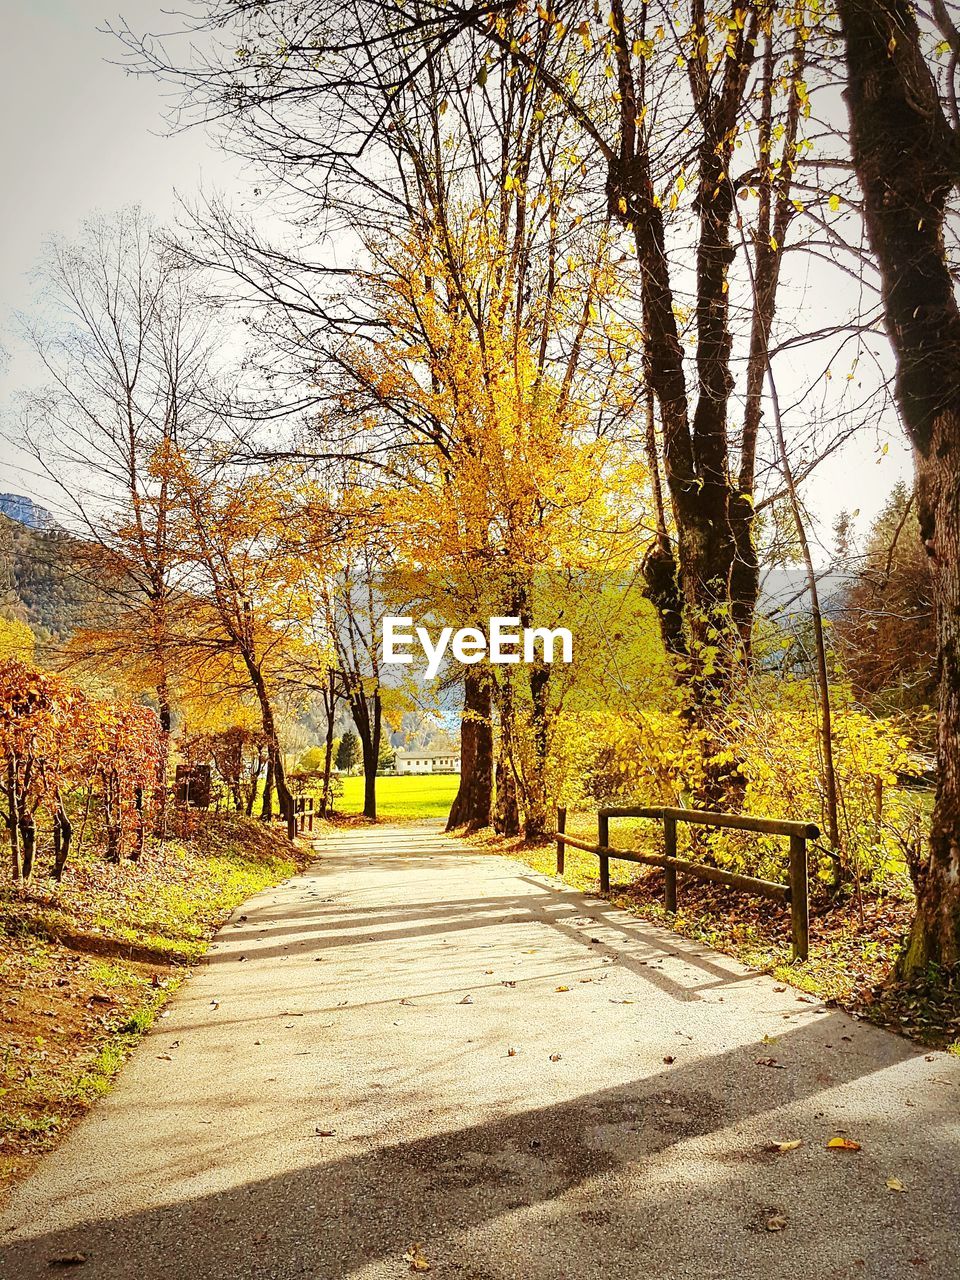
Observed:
{"x":403,"y":795}
{"x":851,"y":952}
{"x":86,"y":966}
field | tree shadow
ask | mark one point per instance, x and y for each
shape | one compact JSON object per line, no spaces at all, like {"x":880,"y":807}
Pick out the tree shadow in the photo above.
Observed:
{"x":666,"y":1175}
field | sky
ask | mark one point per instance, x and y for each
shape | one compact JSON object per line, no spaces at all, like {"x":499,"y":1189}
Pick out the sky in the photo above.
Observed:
{"x":83,"y":136}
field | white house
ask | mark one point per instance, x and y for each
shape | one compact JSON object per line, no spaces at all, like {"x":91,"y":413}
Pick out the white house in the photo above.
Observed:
{"x":428,"y":761}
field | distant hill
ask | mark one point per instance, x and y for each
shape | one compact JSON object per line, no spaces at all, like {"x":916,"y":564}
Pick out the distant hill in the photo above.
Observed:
{"x":26,"y":511}
{"x":39,"y":582}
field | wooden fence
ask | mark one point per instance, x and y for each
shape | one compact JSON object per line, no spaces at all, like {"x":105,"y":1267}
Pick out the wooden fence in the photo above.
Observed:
{"x":302,"y":817}
{"x":794,"y":892}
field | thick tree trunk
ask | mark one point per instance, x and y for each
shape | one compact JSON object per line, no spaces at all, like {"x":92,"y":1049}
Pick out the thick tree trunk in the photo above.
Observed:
{"x":907,"y":158}
{"x":506,"y":817}
{"x":694,"y":570}
{"x":473,"y":804}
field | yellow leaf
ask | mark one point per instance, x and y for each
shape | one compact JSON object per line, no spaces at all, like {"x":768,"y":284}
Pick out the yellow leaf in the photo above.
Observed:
{"x":789,"y":1145}
{"x":894,"y":1184}
{"x":563,"y":988}
{"x":843,"y":1144}
{"x":417,"y":1258}
{"x":834,"y":203}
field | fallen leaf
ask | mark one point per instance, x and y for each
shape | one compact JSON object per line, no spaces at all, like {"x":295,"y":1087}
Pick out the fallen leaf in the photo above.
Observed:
{"x":68,"y":1260}
{"x":790,"y":1145}
{"x":488,"y":971}
{"x":562,"y":988}
{"x":508,"y":984}
{"x":164,"y":1057}
{"x":417,"y":1258}
{"x":466,"y":1000}
{"x":842,"y":1144}
{"x":894,"y":1184}
{"x":620,"y":1000}
{"x":769,"y":1040}
{"x":770,"y":1062}
{"x":511,"y":1052}
{"x":778,"y":989}
{"x":555,"y":1057}
{"x":324,"y":1133}
{"x":776,"y":1222}
{"x":668,"y":1059}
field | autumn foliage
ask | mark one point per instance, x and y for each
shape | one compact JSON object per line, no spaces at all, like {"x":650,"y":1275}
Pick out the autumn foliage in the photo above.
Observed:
{"x":62,"y":748}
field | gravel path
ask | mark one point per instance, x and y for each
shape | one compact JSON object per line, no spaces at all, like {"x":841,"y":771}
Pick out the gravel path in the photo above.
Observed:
{"x":409,"y":1056}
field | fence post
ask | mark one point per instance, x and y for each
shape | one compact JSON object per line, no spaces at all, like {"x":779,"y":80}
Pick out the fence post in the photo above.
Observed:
{"x":669,"y":872}
{"x":603,"y":839}
{"x":799,"y":914}
{"x":561,"y":828}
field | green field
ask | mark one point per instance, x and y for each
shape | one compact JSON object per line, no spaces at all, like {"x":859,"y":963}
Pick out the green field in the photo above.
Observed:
{"x":403,"y":796}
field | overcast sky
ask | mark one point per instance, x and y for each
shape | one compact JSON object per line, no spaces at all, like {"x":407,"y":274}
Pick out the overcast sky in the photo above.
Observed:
{"x":81,"y":135}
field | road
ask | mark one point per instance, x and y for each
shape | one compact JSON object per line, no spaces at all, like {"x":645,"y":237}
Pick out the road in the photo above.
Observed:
{"x":411,"y":1056}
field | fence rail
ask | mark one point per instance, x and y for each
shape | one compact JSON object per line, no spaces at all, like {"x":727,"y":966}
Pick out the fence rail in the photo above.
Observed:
{"x":794,"y":893}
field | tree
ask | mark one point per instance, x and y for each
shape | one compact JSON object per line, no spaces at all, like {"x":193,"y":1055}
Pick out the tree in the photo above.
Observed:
{"x":906,"y":150}
{"x":251,"y":610}
{"x":387,"y":757}
{"x":128,"y":359}
{"x":349,"y":753}
{"x":677,"y":116}
{"x":886,"y":626}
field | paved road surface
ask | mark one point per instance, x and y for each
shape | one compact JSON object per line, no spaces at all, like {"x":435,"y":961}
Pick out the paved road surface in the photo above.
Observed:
{"x":335,"y":1085}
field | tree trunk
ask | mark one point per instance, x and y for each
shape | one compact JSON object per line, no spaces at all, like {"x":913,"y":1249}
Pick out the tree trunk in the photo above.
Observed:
{"x":62,"y":836}
{"x":330,"y":708}
{"x":506,"y":817}
{"x":368,"y":730}
{"x":275,"y":770}
{"x":13,"y":819}
{"x":908,"y":161}
{"x":535,"y":783}
{"x":28,"y":844}
{"x":473,"y":804}
{"x":137,"y":850}
{"x":163,"y":764}
{"x":266,"y":806}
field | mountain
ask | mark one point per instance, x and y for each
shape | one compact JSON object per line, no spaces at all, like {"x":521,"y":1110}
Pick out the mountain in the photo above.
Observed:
{"x":39,"y":580}
{"x":26,"y":511}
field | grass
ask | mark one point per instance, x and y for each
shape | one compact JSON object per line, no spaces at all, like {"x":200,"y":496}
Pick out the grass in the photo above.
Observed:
{"x":86,"y":966}
{"x":403,"y":795}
